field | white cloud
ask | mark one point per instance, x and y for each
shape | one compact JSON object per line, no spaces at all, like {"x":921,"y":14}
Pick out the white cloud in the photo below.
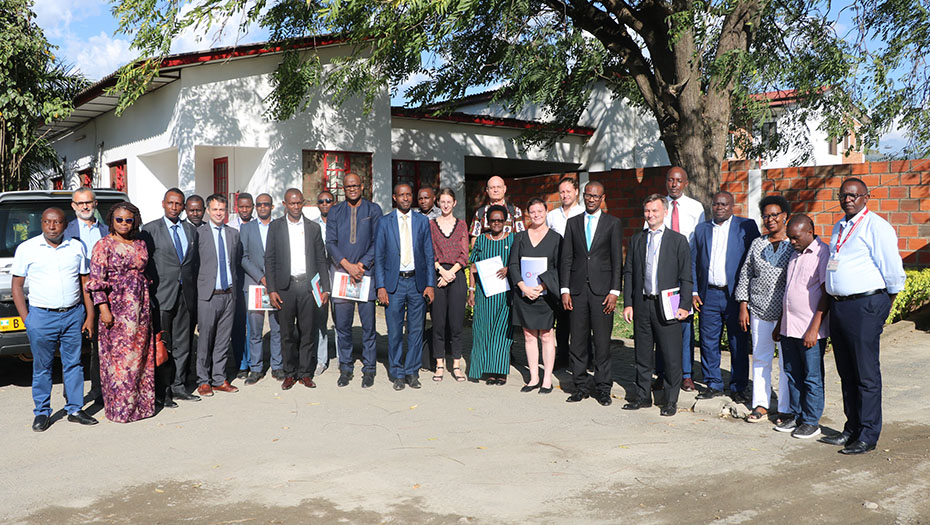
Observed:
{"x":220,"y":34}
{"x":56,"y":16}
{"x":99,"y":55}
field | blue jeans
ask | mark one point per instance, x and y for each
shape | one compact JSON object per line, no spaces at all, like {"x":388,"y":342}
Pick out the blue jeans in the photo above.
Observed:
{"x":804,"y":367}
{"x":46,"y":332}
{"x":255,"y":355}
{"x":405,"y":300}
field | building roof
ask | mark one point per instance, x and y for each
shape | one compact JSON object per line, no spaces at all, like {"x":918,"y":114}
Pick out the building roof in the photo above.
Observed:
{"x":482,"y":120}
{"x":94,"y":100}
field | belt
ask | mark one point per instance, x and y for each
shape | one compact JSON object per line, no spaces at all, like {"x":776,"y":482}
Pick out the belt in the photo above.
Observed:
{"x":715,"y":287}
{"x":299,"y":278}
{"x":858,"y":295}
{"x":65,"y":309}
{"x":222,"y":292}
{"x":647,"y":297}
{"x":406,"y":275}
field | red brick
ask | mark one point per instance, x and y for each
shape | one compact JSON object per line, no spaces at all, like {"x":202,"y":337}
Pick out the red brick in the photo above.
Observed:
{"x":910,"y":178}
{"x":888,"y":205}
{"x":917,"y":243}
{"x":861,"y":168}
{"x":909,"y":204}
{"x":920,"y":165}
{"x":825,"y":195}
{"x":897,"y":218}
{"x":807,"y":172}
{"x":925,"y":177}
{"x":806,"y":195}
{"x":798,"y":183}
{"x":782,"y":184}
{"x":768,"y":186}
{"x":878,"y":167}
{"x":823,"y":219}
{"x":902,"y":244}
{"x":920,"y":192}
{"x":871,"y":180}
{"x":790,"y":173}
{"x":879,"y":193}
{"x":898,"y":192}
{"x":920,"y":217}
{"x":899,"y":166}
{"x":890,"y":180}
{"x":814,"y":207}
{"x":834,"y":182}
{"x":907,"y":230}
{"x":925,"y":204}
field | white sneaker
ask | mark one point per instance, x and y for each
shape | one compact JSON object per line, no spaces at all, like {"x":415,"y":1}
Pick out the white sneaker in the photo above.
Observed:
{"x":805,"y":431}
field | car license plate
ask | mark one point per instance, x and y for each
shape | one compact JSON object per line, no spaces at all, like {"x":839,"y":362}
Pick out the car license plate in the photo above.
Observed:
{"x":11,"y":324}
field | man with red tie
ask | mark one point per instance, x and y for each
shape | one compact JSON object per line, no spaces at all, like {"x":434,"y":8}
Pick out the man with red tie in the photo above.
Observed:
{"x":684,"y":214}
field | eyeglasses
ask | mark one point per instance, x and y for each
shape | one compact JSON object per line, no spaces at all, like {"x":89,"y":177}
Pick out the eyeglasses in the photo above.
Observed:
{"x":262,"y":204}
{"x":592,"y":196}
{"x":324,"y":201}
{"x":127,"y":220}
{"x":853,"y":196}
{"x":772,"y":216}
{"x":352,"y":186}
{"x":490,"y":221}
{"x":84,"y":203}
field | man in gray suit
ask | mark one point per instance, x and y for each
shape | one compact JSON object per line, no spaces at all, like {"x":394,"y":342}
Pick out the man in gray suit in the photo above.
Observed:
{"x":172,"y":268}
{"x":219,"y":249}
{"x":254,"y":236}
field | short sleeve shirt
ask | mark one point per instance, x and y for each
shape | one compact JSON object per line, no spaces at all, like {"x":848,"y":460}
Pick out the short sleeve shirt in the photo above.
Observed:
{"x":53,"y":274}
{"x":513,"y":223}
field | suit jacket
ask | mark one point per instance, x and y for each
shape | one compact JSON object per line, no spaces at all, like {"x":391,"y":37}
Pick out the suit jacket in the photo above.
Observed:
{"x":674,"y":269}
{"x":253,"y":254}
{"x":164,"y":270}
{"x":387,"y":252}
{"x":338,"y":232}
{"x":278,"y":255}
{"x":209,"y":265}
{"x":599,"y":268}
{"x":742,"y":232}
{"x":73,"y":231}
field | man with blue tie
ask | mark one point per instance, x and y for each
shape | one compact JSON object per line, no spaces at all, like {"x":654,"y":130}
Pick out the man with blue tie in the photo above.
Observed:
{"x":405,"y":279}
{"x":254,"y":236}
{"x":717,"y":252}
{"x":219,"y":249}
{"x":350,"y":245}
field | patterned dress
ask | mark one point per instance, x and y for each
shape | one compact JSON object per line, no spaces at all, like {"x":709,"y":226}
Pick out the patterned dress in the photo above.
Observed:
{"x":492,"y":333}
{"x":127,"y":349}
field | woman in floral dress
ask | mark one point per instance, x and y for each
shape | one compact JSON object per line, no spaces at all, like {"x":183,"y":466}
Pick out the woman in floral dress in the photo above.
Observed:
{"x":127,"y":343}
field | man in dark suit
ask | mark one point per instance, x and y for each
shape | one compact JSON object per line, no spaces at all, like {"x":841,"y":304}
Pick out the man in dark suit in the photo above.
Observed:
{"x":294,"y":255}
{"x":254,"y":237}
{"x":658,"y":259}
{"x":218,"y":249}
{"x":404,"y":277}
{"x":172,"y":267}
{"x":350,"y":243}
{"x":717,"y":253}
{"x":589,"y":278}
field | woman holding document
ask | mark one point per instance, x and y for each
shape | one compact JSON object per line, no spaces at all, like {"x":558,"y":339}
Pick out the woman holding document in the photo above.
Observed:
{"x":533,"y":264}
{"x":492,"y":333}
{"x":450,"y":247}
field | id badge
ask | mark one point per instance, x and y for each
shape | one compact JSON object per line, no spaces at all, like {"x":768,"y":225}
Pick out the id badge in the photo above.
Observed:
{"x":833,"y":264}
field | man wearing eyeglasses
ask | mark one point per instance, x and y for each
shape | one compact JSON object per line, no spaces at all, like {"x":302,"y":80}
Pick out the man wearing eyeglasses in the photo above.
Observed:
{"x":88,"y":230}
{"x":324,"y":202}
{"x":864,"y":273}
{"x":350,"y":243}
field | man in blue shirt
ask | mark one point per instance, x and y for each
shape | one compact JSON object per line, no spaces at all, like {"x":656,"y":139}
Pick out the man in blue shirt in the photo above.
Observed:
{"x":54,"y":269}
{"x":864,"y":274}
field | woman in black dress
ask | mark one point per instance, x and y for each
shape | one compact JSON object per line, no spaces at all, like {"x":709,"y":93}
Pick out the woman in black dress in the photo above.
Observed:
{"x":533,"y":306}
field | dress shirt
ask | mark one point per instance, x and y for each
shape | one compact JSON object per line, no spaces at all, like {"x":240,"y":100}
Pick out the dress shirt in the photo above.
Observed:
{"x":181,"y":234}
{"x":868,"y":259}
{"x":236,"y":222}
{"x":216,"y":246}
{"x":432,"y":214}
{"x":690,"y":214}
{"x":319,"y":220}
{"x":52,"y":274}
{"x":595,"y":217}
{"x":89,"y":235}
{"x":263,"y":232}
{"x":295,"y":235}
{"x":717,"y":272}
{"x":807,"y":271}
{"x":557,"y":218}
{"x":651,"y":282}
{"x":400,"y":235}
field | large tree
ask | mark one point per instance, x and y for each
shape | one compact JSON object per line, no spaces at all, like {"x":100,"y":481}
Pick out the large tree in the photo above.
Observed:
{"x":694,"y":65}
{"x":35,"y":88}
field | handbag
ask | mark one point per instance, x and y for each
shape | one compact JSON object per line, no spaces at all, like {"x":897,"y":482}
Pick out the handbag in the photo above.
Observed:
{"x":161,"y":351}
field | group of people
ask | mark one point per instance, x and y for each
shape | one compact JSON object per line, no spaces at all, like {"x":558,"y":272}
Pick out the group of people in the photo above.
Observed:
{"x":557,"y":275}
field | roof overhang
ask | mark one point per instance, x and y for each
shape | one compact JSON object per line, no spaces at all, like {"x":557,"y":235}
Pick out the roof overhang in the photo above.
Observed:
{"x":484,"y":120}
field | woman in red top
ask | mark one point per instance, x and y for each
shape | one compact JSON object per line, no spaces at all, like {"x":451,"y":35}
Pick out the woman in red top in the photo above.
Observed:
{"x":450,"y":246}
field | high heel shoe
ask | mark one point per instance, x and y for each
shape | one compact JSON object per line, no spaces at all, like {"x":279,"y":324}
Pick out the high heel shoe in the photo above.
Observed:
{"x":530,"y":388}
{"x":544,"y":390}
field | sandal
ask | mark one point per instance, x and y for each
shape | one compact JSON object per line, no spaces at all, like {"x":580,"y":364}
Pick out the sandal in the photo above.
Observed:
{"x":437,"y":377}
{"x":758,"y":415}
{"x":458,"y":378}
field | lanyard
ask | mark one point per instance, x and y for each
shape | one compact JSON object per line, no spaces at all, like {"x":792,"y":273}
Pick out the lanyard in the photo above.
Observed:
{"x":840,"y":241}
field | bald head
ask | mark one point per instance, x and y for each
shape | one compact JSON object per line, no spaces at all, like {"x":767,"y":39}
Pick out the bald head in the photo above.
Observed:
{"x":676,"y":180}
{"x":496,"y":189}
{"x":800,"y":231}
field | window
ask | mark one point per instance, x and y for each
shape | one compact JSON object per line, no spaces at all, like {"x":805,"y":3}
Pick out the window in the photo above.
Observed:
{"x":769,"y":133}
{"x":419,"y":173}
{"x":221,"y":175}
{"x":118,"y":180}
{"x":831,"y":146}
{"x":326,"y":171}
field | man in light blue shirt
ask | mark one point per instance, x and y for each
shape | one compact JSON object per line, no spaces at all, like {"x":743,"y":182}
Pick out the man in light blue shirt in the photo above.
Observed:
{"x":54,"y":269}
{"x":864,"y":274}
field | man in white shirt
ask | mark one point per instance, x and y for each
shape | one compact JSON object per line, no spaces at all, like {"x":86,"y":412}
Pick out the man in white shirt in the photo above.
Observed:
{"x":324,"y":201}
{"x":556,"y":219}
{"x":684,"y":214}
{"x":54,"y":269}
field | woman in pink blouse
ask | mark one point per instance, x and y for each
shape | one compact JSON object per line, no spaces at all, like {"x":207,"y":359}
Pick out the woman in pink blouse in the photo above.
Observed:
{"x":450,"y":246}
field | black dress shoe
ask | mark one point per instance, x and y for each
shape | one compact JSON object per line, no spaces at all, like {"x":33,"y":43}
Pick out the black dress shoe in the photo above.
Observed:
{"x":669,"y":410}
{"x":836,"y":439}
{"x":636,"y":405}
{"x":41,"y":423}
{"x":413,"y":380}
{"x":399,"y":384}
{"x":254,"y":377}
{"x":544,"y":390}
{"x":166,"y":403}
{"x":368,"y":380}
{"x":184,"y":396}
{"x":278,"y":374}
{"x":344,"y":378}
{"x":81,"y":417}
{"x":857,"y":447}
{"x":709,"y":393}
{"x":603,"y":398}
{"x":577,"y":396}
{"x":242,"y":374}
{"x":530,"y":388}
{"x":740,"y":396}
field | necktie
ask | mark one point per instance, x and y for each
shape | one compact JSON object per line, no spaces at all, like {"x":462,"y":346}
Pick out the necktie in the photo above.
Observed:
{"x":406,"y":242}
{"x":675,"y":216}
{"x":224,"y":279}
{"x":589,"y":230}
{"x":650,"y":263}
{"x":177,"y":242}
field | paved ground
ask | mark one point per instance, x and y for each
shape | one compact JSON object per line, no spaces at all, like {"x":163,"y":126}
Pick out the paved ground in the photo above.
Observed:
{"x":463,"y":452}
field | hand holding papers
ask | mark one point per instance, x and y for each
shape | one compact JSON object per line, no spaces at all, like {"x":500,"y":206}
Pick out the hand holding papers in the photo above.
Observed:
{"x":487,"y":274}
{"x":530,"y":268}
{"x":258,"y":299}
{"x":671,"y":303}
{"x":345,"y":288}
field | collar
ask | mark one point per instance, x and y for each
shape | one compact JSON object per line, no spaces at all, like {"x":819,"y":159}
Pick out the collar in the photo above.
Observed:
{"x":660,"y":229}
{"x":263,"y":223}
{"x":214,"y":226}
{"x":815,"y":246}
{"x":169,"y":223}
{"x":401,"y":214}
{"x":82,"y":224}
{"x":65,"y":241}
{"x":596,"y":215}
{"x":287,"y":219}
{"x":855,"y":217}
{"x":722,"y":224}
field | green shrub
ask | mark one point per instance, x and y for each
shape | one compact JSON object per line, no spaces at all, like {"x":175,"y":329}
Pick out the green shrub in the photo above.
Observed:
{"x":915,"y":294}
